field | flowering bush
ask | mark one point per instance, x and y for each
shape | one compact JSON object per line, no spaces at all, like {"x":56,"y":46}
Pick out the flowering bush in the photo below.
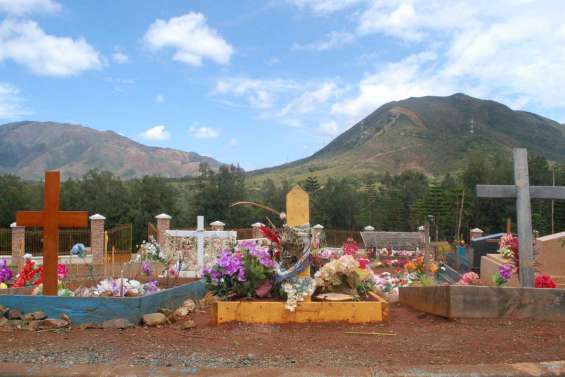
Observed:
{"x":544,"y":281}
{"x":244,"y":271}
{"x":503,"y":274}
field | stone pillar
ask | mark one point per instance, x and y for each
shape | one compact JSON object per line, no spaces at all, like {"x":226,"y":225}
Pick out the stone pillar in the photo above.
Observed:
{"x":369,"y":228}
{"x":256,"y":230}
{"x":317,"y":230}
{"x":97,"y":238}
{"x":476,"y":233}
{"x":163,"y":224}
{"x":18,"y":244}
{"x":217,"y":225}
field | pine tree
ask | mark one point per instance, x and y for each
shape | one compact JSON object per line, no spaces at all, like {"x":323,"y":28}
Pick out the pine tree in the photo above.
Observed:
{"x":311,"y":185}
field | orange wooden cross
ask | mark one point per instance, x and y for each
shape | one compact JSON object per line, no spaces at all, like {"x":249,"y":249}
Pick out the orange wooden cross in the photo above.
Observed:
{"x":51,"y":219}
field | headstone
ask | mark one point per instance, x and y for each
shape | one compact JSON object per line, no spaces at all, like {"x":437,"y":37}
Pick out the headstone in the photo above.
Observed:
{"x":550,"y":256}
{"x":51,"y":219}
{"x":297,"y":207}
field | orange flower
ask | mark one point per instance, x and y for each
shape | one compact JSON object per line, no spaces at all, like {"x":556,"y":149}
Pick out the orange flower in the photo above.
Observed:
{"x":410,"y":266}
{"x":433,"y":268}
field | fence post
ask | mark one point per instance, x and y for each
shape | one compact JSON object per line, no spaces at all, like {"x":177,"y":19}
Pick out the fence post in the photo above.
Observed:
{"x":217,"y":225}
{"x":163,"y":224}
{"x":97,"y":238}
{"x":18,"y":244}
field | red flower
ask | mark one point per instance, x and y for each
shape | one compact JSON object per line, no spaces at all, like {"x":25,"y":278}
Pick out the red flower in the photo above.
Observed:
{"x":544,"y":281}
{"x":270,"y":234}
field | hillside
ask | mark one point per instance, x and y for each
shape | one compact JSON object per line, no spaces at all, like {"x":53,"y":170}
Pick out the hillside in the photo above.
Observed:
{"x":29,"y":148}
{"x":433,"y":135}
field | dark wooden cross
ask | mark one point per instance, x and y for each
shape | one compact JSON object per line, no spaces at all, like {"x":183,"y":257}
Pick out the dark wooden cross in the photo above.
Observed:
{"x":523,"y":192}
{"x":51,"y":219}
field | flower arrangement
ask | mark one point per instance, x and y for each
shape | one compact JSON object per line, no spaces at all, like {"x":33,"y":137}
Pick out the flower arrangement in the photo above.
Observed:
{"x":544,"y":281}
{"x":344,"y":275}
{"x":297,"y":290}
{"x":245,"y":271}
{"x":150,"y":250}
{"x":350,"y":247}
{"x":509,"y":249}
{"x":121,"y":287}
{"x":469,"y":278}
{"x":503,"y":274}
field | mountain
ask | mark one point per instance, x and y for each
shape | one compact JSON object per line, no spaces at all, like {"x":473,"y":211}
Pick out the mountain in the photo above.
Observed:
{"x":29,"y":148}
{"x":433,"y":135}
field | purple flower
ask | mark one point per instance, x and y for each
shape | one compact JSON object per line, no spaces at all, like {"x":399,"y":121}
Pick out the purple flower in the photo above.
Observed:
{"x":5,"y":272}
{"x":151,"y":287}
{"x":146,"y":268}
{"x":505,"y":271}
{"x":215,"y":276}
{"x":241,"y":275}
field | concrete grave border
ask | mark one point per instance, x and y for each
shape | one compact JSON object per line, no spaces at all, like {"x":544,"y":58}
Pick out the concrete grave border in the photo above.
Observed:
{"x":454,"y":301}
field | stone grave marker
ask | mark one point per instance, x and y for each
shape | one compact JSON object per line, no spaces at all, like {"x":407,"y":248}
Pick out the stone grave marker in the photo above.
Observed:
{"x":297,"y":207}
{"x":523,"y":193}
{"x":51,"y":220}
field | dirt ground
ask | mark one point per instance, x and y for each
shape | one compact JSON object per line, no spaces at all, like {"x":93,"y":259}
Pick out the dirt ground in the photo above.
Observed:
{"x":418,"y":339}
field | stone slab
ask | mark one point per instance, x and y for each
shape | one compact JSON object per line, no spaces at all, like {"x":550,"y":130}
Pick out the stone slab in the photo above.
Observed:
{"x":489,"y":266}
{"x":100,"y":309}
{"x":454,"y":301}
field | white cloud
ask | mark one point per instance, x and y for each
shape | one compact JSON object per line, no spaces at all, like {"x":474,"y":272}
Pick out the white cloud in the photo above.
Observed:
{"x":233,"y":142}
{"x":308,"y":101}
{"x":119,"y":57}
{"x":204,"y":132}
{"x":23,"y":7}
{"x":273,"y":61}
{"x":191,"y":38}
{"x":157,"y":133}
{"x":26,"y":43}
{"x":10,"y":102}
{"x":329,"y":128}
{"x":159,"y":98}
{"x":260,"y":94}
{"x":332,"y":40}
{"x":325,"y":6}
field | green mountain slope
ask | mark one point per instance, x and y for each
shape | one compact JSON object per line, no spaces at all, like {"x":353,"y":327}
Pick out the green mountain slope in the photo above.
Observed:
{"x":434,"y":135}
{"x":29,"y":148}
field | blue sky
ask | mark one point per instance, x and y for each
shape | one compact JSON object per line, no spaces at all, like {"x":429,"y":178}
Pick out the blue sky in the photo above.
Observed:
{"x":266,"y":82}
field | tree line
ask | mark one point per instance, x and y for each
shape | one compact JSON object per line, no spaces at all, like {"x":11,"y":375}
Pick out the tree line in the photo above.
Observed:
{"x":400,"y":202}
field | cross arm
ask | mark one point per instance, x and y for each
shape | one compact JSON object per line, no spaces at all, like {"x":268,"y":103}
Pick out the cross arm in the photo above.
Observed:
{"x":547,"y":192}
{"x":496,"y":191}
{"x":73,"y":219}
{"x":29,"y":218}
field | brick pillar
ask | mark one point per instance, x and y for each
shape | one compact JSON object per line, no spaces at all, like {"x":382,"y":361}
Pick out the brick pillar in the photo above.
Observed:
{"x":18,"y":244}
{"x":256,"y":232}
{"x":97,"y":238}
{"x":217,"y":225}
{"x":163,"y":224}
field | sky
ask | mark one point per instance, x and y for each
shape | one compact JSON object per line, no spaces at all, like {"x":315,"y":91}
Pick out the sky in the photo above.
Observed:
{"x":262,"y":83}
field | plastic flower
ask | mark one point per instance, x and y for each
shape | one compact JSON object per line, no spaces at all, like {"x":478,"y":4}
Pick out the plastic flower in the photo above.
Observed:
{"x":544,"y":281}
{"x":5,"y":272}
{"x":505,"y":271}
{"x":146,"y":268}
{"x":62,"y":271}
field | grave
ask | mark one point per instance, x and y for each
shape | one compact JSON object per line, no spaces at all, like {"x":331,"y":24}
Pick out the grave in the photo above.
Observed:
{"x":275,"y":312}
{"x":82,"y":309}
{"x":493,"y":302}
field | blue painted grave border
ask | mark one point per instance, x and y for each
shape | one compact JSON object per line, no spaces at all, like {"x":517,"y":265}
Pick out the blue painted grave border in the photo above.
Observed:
{"x":100,"y":309}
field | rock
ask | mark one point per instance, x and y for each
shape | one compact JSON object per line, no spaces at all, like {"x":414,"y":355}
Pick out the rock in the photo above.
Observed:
{"x":16,"y":323}
{"x":28,"y":317}
{"x":65,"y":317}
{"x":182,"y":312}
{"x":189,"y":304}
{"x":39,"y":315}
{"x":190,"y":324}
{"x":3,"y":321}
{"x":154,"y":319}
{"x":3,"y":310}
{"x":47,"y":324}
{"x":118,"y":323}
{"x":89,"y":325}
{"x":14,"y":314}
{"x":165,"y":311}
